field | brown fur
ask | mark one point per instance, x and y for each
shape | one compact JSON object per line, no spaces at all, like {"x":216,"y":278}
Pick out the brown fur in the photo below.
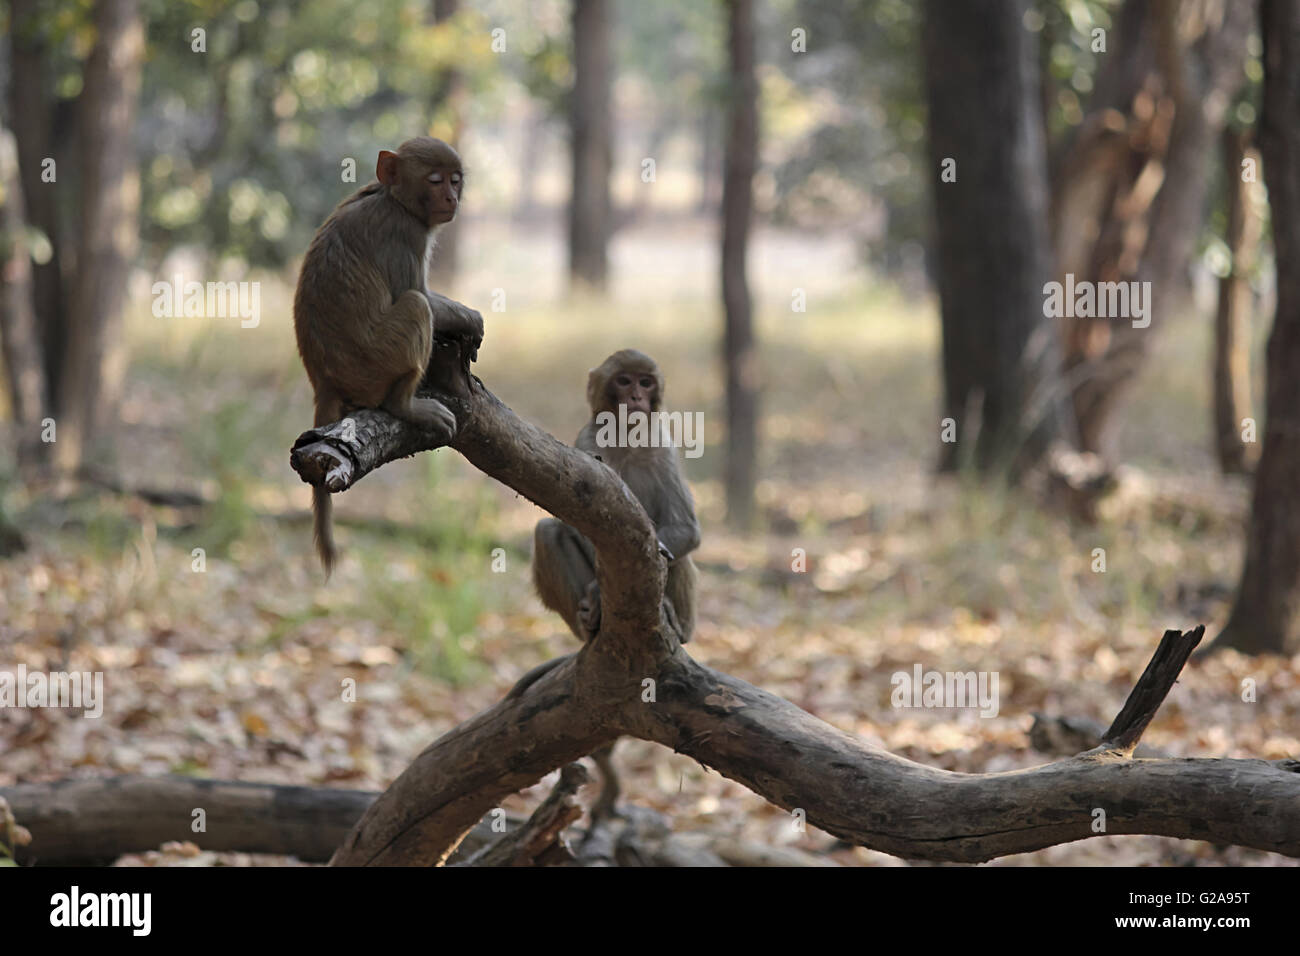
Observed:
{"x":363,"y":315}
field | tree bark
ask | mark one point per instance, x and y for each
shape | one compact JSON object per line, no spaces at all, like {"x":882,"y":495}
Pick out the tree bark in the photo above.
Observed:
{"x":1266,"y":616}
{"x":739,"y":349}
{"x":1232,"y":318}
{"x":110,"y":206}
{"x":1000,"y":354}
{"x":589,"y":117}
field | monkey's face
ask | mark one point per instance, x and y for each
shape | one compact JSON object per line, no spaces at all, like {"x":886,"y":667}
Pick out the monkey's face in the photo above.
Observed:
{"x":443,"y":186}
{"x":425,"y":175}
{"x":639,"y":391}
{"x":627,"y":377}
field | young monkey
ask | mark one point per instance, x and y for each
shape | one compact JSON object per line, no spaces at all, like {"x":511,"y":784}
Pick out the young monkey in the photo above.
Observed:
{"x":364,"y":318}
{"x":564,"y":561}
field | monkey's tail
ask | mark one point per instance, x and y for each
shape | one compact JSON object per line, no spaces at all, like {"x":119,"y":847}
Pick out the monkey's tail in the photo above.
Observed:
{"x":323,"y":510}
{"x":327,"y":410}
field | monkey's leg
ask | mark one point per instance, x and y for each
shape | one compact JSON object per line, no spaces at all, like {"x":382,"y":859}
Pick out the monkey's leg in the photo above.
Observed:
{"x":564,"y":565}
{"x":400,"y":343}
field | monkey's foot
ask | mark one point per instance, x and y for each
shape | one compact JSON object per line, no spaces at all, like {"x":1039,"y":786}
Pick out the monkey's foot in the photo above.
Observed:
{"x":432,"y":415}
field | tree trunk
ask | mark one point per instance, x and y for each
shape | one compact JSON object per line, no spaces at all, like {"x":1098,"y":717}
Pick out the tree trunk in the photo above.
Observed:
{"x":1266,"y":617}
{"x":1232,"y":319}
{"x":708,"y":159}
{"x":1132,"y":192}
{"x":589,"y":211}
{"x":110,"y":205}
{"x":31,"y":104}
{"x":19,"y":337}
{"x":999,"y":352}
{"x":740,"y":352}
{"x":451,"y":97}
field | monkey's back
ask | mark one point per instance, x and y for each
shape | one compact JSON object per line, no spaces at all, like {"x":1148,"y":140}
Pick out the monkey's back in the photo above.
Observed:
{"x":355,"y":267}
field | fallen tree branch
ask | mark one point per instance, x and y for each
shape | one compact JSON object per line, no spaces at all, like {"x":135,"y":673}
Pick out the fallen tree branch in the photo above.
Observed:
{"x":95,"y":820}
{"x":634,"y":680}
{"x":1151,"y":689}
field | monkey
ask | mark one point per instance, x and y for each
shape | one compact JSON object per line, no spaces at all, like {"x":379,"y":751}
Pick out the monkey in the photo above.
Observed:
{"x":564,"y":561}
{"x":363,"y":314}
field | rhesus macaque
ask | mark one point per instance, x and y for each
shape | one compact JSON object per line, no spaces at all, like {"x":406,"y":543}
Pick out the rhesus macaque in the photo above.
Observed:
{"x":564,"y":562}
{"x":363,"y":314}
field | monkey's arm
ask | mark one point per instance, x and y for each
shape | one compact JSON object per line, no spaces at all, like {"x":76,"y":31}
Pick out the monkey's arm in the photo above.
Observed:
{"x":452,"y":318}
{"x":674,"y":517}
{"x":662,"y":491}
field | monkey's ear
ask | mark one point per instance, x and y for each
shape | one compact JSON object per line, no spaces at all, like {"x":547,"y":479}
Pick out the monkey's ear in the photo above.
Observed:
{"x":386,"y":167}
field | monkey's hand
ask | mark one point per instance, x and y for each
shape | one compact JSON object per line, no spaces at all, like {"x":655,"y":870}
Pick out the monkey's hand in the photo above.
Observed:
{"x":589,"y":612}
{"x":452,"y":318}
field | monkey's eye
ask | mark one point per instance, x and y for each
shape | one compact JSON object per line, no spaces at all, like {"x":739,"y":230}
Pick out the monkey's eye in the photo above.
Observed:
{"x":647,"y":382}
{"x":624,"y":381}
{"x":435,"y":177}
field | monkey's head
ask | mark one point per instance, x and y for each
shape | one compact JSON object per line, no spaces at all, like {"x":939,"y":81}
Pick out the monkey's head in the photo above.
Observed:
{"x":426,"y":177}
{"x":627,"y":377}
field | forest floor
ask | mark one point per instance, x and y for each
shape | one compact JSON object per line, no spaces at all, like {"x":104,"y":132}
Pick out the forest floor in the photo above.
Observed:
{"x":235,"y":671}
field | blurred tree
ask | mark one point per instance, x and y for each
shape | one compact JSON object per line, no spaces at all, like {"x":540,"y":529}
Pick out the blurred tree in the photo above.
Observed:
{"x":853,"y":120}
{"x":243,"y":144}
{"x":1236,"y":304}
{"x":44,"y":77}
{"x":675,"y":48}
{"x":1131,"y":193}
{"x":107,"y":227}
{"x":589,"y":117}
{"x":739,"y":351}
{"x":75,"y":123}
{"x":1266,"y":616}
{"x":853,"y":127}
{"x":989,"y":169}
{"x":19,"y":334}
